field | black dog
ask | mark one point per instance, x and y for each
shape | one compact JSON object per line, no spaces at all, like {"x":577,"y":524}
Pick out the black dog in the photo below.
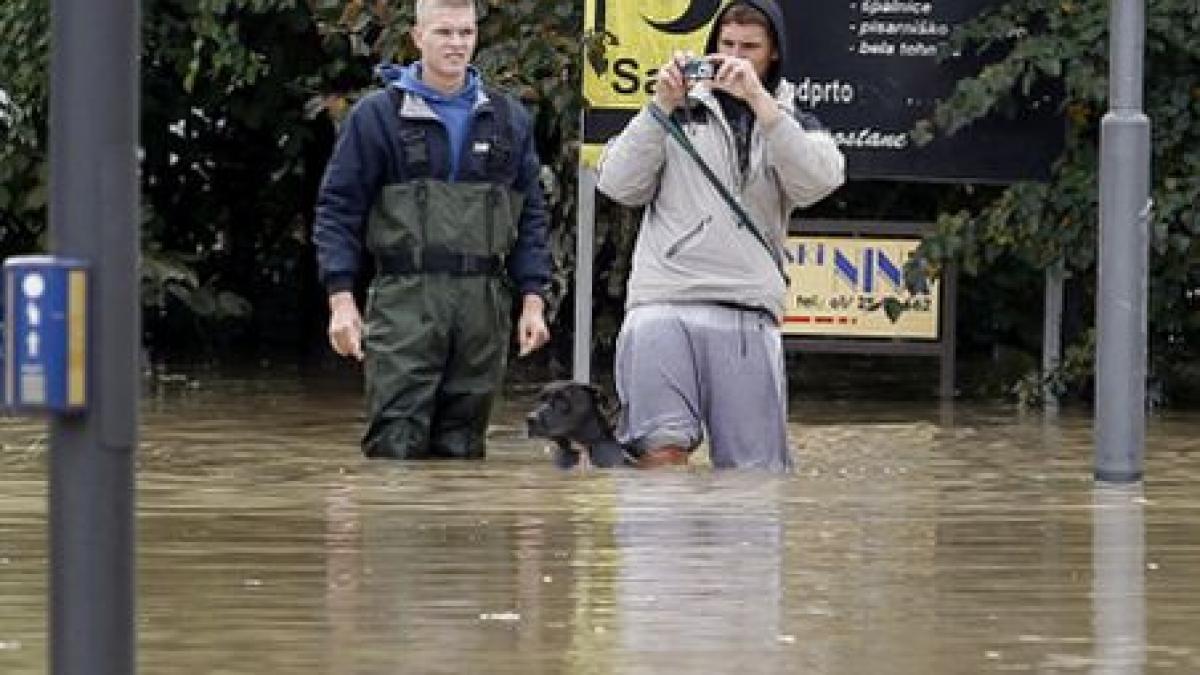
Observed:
{"x":573,"y":415}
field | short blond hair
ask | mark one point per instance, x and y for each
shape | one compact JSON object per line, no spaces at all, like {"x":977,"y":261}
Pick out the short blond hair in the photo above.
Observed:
{"x":423,"y":7}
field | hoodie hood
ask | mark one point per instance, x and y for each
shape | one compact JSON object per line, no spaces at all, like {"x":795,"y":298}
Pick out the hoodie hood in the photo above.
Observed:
{"x":778,"y":34}
{"x":409,"y":79}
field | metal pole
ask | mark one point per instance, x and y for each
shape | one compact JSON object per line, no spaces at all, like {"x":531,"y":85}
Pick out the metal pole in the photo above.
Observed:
{"x":584,"y":247}
{"x":1052,"y":312}
{"x":949,"y":333}
{"x":93,"y":207}
{"x":1124,"y":249}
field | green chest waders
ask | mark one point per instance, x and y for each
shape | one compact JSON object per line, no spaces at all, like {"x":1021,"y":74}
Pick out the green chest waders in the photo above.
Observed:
{"x":437,"y":317}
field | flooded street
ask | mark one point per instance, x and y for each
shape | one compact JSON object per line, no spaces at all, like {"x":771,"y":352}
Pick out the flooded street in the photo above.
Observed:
{"x":910,"y":540}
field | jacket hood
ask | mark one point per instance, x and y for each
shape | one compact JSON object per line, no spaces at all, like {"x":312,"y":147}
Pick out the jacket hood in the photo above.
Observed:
{"x":409,"y":78}
{"x":778,"y":33}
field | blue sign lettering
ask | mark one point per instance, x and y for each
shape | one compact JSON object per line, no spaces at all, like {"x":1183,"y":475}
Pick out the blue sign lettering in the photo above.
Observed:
{"x":873,"y":265}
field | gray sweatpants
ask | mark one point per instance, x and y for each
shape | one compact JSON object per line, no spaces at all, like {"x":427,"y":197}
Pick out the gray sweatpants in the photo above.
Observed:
{"x":685,"y":368}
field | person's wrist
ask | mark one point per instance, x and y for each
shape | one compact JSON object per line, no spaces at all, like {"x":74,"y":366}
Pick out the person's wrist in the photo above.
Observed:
{"x":533,"y":302}
{"x":762,"y":97}
{"x":341,"y":300}
{"x":766,"y":108}
{"x":665,"y":106}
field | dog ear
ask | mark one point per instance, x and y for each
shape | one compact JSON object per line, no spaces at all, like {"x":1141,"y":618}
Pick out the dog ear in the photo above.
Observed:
{"x":605,"y":405}
{"x":598,"y":398}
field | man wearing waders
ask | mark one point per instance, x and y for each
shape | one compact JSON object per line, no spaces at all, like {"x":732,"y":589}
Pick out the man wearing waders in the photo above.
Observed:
{"x":719,"y":159}
{"x":435,"y":177}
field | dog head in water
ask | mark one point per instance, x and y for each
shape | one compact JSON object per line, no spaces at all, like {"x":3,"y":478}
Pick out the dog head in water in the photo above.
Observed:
{"x":570,"y":411}
{"x":575,"y":416}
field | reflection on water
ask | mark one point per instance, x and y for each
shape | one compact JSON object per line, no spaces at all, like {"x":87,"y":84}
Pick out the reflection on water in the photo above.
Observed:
{"x":908,"y":541}
{"x":1118,"y":579}
{"x":701,"y":570}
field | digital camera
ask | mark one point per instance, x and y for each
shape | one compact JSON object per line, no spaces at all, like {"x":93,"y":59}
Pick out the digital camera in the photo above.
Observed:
{"x":698,"y":69}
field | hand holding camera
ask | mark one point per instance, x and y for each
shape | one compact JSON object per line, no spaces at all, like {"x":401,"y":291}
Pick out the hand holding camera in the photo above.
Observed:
{"x":737,"y":77}
{"x":679,"y":74}
{"x":730,"y":74}
{"x":671,"y":86}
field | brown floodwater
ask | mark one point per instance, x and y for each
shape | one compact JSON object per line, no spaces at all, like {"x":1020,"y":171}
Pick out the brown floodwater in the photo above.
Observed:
{"x":911,"y":539}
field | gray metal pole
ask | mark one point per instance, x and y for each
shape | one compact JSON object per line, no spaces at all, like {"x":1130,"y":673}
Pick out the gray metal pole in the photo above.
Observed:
{"x":949,"y":333}
{"x":584,"y":246}
{"x":1124,"y":250}
{"x":93,"y":216}
{"x":1052,"y":312}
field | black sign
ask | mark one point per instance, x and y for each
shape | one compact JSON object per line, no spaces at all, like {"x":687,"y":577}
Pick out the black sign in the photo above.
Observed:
{"x":870,"y":69}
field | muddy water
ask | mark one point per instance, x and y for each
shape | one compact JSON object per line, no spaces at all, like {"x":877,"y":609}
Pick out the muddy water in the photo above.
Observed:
{"x":911,"y":540}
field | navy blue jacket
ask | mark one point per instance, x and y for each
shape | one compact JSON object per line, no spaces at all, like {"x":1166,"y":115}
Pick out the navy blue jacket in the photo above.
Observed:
{"x":368,"y":156}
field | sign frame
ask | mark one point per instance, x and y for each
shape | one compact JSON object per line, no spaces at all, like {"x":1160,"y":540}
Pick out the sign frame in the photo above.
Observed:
{"x":943,"y":347}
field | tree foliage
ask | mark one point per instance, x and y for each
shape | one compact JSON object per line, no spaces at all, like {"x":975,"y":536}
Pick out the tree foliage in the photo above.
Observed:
{"x":1065,"y":44}
{"x":24,"y":30}
{"x":239,"y":104}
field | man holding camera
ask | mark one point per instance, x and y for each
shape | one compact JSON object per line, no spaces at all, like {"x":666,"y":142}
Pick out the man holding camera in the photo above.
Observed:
{"x":719,"y":159}
{"x":435,"y":177}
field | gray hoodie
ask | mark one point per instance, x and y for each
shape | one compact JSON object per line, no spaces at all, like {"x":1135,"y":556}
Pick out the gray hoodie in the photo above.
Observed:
{"x":690,"y":248}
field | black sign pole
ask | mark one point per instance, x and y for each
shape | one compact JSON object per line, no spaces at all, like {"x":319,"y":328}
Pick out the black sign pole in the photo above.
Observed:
{"x":93,"y":217}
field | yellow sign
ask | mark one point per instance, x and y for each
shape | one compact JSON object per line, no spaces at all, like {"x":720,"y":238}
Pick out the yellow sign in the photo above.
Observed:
{"x":643,"y":36}
{"x":854,"y":287}
{"x":639,"y":37}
